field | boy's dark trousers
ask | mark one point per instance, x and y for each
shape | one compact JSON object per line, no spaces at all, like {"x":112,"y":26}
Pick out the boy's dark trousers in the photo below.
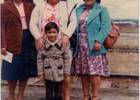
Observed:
{"x":53,"y":87}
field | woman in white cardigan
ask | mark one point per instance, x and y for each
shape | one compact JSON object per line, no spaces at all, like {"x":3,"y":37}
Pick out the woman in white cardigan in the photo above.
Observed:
{"x":54,"y":11}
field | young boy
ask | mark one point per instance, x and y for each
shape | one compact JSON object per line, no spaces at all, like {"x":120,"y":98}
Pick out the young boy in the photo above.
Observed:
{"x":53,"y":63}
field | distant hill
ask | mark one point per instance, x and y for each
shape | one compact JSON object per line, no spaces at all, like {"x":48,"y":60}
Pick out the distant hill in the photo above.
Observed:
{"x":126,"y":20}
{"x":127,"y":25}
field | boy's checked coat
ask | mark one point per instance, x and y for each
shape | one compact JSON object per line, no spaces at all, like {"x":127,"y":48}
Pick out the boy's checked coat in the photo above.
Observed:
{"x":53,"y":61}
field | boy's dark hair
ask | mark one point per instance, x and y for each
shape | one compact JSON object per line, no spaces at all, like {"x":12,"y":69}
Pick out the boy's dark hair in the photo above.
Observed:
{"x":51,"y":25}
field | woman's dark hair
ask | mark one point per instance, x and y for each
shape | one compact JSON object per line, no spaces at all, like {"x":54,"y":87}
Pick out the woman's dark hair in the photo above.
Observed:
{"x":99,"y":1}
{"x":51,"y":25}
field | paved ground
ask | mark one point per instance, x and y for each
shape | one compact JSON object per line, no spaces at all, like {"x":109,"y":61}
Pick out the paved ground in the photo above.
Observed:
{"x":36,"y":93}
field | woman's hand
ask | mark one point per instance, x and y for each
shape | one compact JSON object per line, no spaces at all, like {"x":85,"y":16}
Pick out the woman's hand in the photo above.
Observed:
{"x":97,"y":46}
{"x":66,"y":75}
{"x":3,"y":51}
{"x":41,"y":43}
{"x":65,"y":40}
{"x":42,"y":77}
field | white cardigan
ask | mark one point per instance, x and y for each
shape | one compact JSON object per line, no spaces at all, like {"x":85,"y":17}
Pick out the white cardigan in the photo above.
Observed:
{"x":35,"y":21}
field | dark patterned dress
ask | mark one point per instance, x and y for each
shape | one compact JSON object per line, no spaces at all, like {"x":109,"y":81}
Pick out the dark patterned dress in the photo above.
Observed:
{"x":24,"y":64}
{"x":83,"y":63}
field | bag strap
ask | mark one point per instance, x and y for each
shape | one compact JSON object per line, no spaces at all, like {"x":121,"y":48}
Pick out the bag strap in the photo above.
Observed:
{"x":110,"y":19}
{"x":70,"y":12}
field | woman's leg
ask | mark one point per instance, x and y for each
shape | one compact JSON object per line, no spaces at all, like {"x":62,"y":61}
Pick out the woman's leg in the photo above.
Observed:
{"x":66,"y":88}
{"x":12,"y":86}
{"x":66,"y":82}
{"x":22,"y":84}
{"x":86,"y":86}
{"x":95,"y":83}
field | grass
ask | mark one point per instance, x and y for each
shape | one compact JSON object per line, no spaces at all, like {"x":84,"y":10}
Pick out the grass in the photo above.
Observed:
{"x":123,"y":63}
{"x":127,"y":44}
{"x":129,"y":30}
{"x":128,"y":40}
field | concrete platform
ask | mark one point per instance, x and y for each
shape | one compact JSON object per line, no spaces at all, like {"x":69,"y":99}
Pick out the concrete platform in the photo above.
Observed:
{"x":134,"y":86}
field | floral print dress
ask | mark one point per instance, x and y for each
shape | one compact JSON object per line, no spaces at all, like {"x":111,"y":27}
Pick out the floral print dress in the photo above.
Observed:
{"x":50,"y":15}
{"x":83,"y":63}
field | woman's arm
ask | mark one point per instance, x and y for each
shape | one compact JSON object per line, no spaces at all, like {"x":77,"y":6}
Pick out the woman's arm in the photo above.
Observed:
{"x":40,"y":63}
{"x":4,"y":20}
{"x":66,"y":58}
{"x":3,"y":25}
{"x":105,"y":29}
{"x":72,"y":24}
{"x":105,"y":26}
{"x":34,"y":23}
{"x":34,"y":28}
{"x":71,"y":27}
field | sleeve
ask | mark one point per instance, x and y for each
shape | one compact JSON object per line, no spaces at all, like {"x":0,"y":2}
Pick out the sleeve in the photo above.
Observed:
{"x":4,"y":21}
{"x":34,"y":23}
{"x":40,"y":68}
{"x":66,"y":61}
{"x":105,"y":26}
{"x":73,"y":23}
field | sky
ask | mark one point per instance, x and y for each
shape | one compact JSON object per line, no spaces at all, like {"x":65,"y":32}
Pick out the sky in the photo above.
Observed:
{"x":118,"y":9}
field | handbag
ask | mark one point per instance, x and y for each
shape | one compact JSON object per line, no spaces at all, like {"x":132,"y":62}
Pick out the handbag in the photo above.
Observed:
{"x":73,"y":37}
{"x":113,"y":35}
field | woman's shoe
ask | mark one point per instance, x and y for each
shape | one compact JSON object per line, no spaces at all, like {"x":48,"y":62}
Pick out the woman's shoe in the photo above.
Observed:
{"x":19,"y":97}
{"x":95,"y":97}
{"x":89,"y":97}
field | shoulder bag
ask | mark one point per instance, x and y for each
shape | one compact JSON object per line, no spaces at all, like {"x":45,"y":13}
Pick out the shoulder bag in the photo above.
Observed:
{"x":73,"y":37}
{"x":113,"y":35}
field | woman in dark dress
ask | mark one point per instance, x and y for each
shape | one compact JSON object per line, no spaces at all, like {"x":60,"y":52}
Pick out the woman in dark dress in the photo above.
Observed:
{"x":17,"y":39}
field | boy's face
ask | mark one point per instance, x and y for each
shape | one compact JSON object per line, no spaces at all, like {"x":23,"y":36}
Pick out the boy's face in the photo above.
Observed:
{"x":52,"y":35}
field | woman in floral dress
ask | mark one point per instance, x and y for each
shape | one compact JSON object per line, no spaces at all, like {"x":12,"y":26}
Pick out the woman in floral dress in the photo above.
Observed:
{"x":90,"y":60}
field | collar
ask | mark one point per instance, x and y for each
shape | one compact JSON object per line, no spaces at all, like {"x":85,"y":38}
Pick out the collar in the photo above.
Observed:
{"x":51,"y":42}
{"x":13,"y":9}
{"x":21,"y":5}
{"x":48,"y":44}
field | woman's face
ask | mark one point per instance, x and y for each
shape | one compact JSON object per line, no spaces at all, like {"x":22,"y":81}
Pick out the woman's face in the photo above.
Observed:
{"x":53,"y":1}
{"x":90,"y":2}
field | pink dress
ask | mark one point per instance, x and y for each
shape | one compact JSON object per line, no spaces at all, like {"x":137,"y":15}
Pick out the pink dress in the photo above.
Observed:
{"x":21,"y":11}
{"x":83,"y":63}
{"x":51,"y":15}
